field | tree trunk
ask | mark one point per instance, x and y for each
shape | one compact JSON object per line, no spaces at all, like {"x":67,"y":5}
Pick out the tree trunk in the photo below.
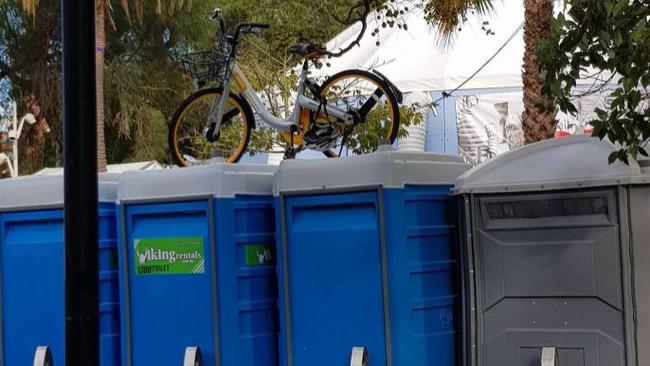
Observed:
{"x":539,"y":116}
{"x":100,"y":49}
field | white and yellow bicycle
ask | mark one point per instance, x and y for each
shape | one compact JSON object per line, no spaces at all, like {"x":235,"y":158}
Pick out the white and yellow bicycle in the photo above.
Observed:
{"x":342,"y":112}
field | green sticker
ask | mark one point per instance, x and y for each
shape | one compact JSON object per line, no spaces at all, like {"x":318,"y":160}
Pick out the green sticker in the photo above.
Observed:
{"x":169,"y":256}
{"x":259,"y":255}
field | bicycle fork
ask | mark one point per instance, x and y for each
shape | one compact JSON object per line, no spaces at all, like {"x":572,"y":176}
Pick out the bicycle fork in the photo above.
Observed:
{"x":217,"y":116}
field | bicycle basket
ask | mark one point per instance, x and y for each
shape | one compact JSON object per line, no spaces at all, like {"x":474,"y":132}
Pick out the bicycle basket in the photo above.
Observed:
{"x":206,"y":66}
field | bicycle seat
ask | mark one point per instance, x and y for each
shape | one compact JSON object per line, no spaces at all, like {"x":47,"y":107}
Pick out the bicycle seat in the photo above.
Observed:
{"x":308,"y":50}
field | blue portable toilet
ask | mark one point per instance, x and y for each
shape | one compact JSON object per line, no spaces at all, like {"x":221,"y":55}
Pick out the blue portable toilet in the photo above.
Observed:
{"x":32,"y":273}
{"x":197,"y":267}
{"x":367,"y":260}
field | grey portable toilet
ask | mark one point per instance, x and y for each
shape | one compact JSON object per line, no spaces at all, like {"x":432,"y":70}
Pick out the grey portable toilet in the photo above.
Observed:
{"x":555,"y":256}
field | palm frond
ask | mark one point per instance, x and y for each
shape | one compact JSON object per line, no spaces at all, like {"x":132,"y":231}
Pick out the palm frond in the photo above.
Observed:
{"x":448,"y":15}
{"x":125,"y":7}
{"x":30,"y":6}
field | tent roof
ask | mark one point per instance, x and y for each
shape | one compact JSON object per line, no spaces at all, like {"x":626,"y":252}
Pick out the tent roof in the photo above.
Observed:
{"x":415,"y":60}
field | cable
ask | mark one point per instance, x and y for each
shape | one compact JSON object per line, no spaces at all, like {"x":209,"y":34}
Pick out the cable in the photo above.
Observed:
{"x":446,"y":94}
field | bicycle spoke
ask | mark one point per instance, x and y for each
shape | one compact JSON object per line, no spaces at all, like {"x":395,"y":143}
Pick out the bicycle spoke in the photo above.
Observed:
{"x":191,"y":143}
{"x":366,"y":96}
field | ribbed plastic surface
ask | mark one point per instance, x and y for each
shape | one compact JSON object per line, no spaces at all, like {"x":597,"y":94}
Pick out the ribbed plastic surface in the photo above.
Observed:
{"x":225,"y":303}
{"x":547,"y":256}
{"x":247,"y":286}
{"x":422,"y":265}
{"x":33,"y":309}
{"x":368,"y":267}
{"x":566,"y":163}
{"x":218,"y":180}
{"x":389,"y":169}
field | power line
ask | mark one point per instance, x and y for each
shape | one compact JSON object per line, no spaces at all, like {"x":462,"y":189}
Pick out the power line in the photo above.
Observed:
{"x":446,"y":94}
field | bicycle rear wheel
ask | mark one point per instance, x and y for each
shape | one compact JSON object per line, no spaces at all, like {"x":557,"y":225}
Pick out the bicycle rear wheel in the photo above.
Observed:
{"x":370,"y":98}
{"x":187,"y":142}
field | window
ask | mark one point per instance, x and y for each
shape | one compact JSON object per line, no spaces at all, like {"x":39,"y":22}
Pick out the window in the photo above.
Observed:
{"x":540,"y":208}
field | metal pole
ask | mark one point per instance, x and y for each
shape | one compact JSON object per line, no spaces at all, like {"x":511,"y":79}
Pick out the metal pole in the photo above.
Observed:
{"x":80,"y":155}
{"x":15,"y":141}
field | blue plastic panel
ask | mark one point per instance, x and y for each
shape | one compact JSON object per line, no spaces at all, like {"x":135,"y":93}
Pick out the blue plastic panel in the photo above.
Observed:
{"x":248,"y":308}
{"x":169,"y":312}
{"x":109,"y":296}
{"x":333,"y":269}
{"x":33,"y":309}
{"x":422,"y":262}
{"x":173,"y":311}
{"x":334,"y":273}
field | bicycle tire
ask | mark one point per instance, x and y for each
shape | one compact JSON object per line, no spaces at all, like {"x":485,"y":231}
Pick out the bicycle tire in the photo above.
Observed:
{"x":393,"y":130}
{"x":242,"y":106}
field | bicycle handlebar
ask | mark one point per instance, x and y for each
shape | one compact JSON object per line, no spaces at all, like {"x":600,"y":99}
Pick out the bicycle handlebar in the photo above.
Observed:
{"x":242,"y":28}
{"x":217,"y":15}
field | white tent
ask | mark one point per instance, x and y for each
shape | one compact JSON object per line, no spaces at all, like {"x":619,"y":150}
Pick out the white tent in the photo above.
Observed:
{"x":415,"y":60}
{"x":482,"y":118}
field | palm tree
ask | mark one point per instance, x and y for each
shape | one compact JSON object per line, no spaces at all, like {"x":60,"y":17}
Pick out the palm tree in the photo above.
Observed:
{"x":30,"y":6}
{"x":100,"y":49}
{"x":448,"y":15}
{"x":539,"y":117}
{"x":102,"y":7}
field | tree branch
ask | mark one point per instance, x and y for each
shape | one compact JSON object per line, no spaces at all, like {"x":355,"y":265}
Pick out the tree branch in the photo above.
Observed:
{"x":362,"y":17}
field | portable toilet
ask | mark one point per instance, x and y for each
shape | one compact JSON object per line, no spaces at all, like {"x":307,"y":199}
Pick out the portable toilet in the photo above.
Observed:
{"x":367,"y":260}
{"x":197,"y":267}
{"x":32,"y":274}
{"x":556,"y":257}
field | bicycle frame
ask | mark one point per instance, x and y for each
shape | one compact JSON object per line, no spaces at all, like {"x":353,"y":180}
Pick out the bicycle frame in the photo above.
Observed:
{"x":283,"y":125}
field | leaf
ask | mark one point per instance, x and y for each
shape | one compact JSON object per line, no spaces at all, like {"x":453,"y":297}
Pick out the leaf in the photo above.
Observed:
{"x":624,"y":157}
{"x":645,"y":80}
{"x":613,"y":157}
{"x":618,"y":38}
{"x":628,"y":84}
{"x":599,"y":128}
{"x":620,"y":7}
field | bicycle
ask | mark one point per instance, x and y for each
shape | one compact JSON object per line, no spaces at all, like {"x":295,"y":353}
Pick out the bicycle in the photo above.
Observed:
{"x":340,"y":113}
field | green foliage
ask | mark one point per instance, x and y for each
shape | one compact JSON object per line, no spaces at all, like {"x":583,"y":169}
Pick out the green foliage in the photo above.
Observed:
{"x":151,"y":145}
{"x":266,"y":60}
{"x":271,"y":68}
{"x":371,"y":134}
{"x":611,"y":36}
{"x":449,"y":15}
{"x":143,"y":81}
{"x":143,"y":85}
{"x":29,"y":66}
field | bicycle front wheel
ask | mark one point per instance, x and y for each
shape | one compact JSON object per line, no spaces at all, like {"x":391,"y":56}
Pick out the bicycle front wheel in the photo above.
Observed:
{"x":187,"y":142}
{"x":372,"y":100}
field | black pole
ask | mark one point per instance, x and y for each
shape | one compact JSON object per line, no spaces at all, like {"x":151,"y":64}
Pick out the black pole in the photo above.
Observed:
{"x":80,"y":154}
